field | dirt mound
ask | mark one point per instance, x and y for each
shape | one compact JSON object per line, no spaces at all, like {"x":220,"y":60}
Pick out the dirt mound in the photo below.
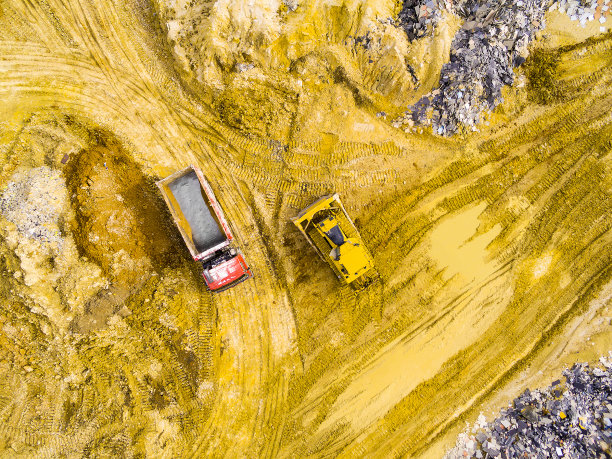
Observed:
{"x":121,"y":221}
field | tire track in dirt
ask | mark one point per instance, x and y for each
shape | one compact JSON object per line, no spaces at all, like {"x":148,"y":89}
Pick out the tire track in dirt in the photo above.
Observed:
{"x":258,"y":402}
{"x":239,"y":316}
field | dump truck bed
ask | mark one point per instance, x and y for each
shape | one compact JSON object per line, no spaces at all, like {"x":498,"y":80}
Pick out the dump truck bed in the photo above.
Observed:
{"x":196,"y":212}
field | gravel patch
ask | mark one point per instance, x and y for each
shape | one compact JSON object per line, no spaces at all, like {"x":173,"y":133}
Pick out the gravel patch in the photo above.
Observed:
{"x":570,"y":419}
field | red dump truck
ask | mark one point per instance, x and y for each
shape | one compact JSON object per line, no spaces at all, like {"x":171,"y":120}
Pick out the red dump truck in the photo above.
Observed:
{"x":202,"y":224}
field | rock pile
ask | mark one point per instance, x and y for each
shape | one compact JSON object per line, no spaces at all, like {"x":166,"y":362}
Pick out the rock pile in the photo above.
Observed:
{"x":490,"y":43}
{"x":571,"y":419}
{"x":417,"y":16}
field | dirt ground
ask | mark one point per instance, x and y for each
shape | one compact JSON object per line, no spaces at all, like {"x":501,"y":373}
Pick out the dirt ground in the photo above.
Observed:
{"x":494,"y":249}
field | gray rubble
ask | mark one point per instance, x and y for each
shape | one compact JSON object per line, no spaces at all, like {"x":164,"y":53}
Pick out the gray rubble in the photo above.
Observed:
{"x":418,"y":16}
{"x":490,"y":44}
{"x":571,"y":419}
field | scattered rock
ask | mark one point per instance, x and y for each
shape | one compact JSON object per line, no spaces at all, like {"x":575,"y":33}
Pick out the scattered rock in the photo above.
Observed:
{"x":34,"y":201}
{"x":570,"y":420}
{"x":492,"y":41}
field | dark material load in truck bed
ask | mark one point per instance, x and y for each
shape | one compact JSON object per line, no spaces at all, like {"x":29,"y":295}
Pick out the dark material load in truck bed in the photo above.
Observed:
{"x":206,"y":231}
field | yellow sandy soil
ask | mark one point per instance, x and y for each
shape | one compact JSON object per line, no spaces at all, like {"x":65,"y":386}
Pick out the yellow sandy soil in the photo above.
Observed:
{"x":494,"y":250}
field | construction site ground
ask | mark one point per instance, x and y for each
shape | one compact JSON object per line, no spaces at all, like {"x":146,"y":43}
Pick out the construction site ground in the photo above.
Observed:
{"x":494,"y":250}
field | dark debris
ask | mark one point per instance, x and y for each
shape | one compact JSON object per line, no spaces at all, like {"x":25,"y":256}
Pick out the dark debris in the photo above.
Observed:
{"x":572,"y":420}
{"x":484,"y":52}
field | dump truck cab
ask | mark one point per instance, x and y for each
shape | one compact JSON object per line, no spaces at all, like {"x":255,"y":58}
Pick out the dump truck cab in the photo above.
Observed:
{"x":332,"y":233}
{"x":224,"y":270}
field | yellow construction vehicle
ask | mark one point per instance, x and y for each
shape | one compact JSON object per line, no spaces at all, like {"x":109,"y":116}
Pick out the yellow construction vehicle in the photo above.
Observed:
{"x":332,"y":233}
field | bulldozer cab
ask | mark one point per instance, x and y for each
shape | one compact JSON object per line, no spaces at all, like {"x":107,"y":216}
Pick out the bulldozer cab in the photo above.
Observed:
{"x":332,"y":231}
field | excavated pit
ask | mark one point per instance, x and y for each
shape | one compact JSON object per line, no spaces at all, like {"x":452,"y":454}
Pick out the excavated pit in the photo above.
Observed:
{"x":119,"y":210}
{"x":123,"y":225}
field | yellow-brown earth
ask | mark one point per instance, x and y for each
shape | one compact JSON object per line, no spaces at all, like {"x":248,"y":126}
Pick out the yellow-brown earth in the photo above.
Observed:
{"x":494,"y":248}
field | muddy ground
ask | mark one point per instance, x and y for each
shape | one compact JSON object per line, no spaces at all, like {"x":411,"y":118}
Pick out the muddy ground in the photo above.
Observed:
{"x":494,"y":248}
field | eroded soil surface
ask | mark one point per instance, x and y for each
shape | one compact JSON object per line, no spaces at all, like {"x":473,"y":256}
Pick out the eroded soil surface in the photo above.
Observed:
{"x":494,"y":248}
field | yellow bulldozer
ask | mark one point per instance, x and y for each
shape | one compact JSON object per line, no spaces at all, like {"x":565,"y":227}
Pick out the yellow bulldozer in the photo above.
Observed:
{"x":332,"y":233}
